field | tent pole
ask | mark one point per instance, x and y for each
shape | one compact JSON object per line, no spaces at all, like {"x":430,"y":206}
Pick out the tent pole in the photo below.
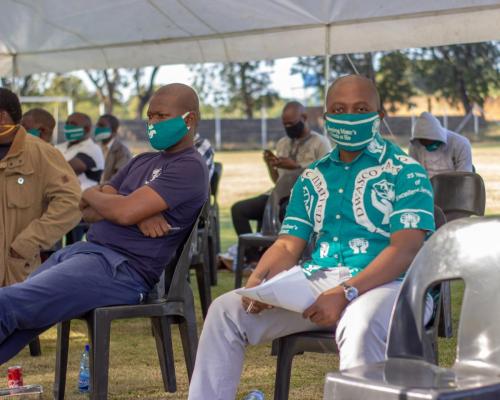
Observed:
{"x":327,"y":62}
{"x":327,"y":70}
{"x":14,"y":74}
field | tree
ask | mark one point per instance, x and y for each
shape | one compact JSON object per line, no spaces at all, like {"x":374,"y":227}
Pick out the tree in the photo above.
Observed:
{"x":30,"y":85}
{"x":394,"y":81}
{"x":462,"y":74}
{"x":108,"y":84}
{"x":143,"y":91}
{"x":245,"y":86}
{"x":312,"y":69}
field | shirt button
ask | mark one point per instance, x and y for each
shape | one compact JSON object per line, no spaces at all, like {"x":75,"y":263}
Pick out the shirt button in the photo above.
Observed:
{"x":346,"y":168}
{"x":341,"y":190}
{"x":336,"y":256}
{"x":335,"y":239}
{"x":337,"y":216}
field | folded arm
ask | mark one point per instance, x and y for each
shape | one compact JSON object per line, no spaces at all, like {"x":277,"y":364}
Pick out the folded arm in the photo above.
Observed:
{"x":124,"y":210}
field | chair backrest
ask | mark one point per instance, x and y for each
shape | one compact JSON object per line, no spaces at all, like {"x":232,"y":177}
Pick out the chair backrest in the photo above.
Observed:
{"x":439,"y":217}
{"x":459,"y":194}
{"x":271,"y":223}
{"x":215,"y":180}
{"x":175,"y":275}
{"x":464,"y":249}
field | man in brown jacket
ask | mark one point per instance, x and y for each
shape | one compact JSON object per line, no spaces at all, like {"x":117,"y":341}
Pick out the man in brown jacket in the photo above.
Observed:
{"x":116,"y":154}
{"x":39,"y":195}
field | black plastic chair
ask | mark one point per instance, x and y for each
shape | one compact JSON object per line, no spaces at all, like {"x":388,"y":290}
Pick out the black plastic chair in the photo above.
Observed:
{"x":174,"y":307}
{"x":200,"y":259}
{"x":271,"y":225}
{"x":459,"y":194}
{"x":287,"y":347}
{"x":465,"y":249}
{"x":214,"y":233}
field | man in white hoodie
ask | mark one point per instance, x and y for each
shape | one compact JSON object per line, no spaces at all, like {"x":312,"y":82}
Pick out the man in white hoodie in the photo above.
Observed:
{"x":438,"y":149}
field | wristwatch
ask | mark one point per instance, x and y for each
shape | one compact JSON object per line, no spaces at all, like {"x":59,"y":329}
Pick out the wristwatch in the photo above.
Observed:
{"x":350,"y":292}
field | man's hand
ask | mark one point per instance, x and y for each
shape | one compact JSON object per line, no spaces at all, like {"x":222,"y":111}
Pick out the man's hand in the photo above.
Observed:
{"x":327,"y":308}
{"x":154,"y":227}
{"x":256,"y":306}
{"x":83,"y":204}
{"x":286,"y":163}
{"x":90,"y":215}
{"x":270,"y":158}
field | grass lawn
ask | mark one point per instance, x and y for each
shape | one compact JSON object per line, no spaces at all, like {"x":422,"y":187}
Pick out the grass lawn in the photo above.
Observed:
{"x":134,"y":369}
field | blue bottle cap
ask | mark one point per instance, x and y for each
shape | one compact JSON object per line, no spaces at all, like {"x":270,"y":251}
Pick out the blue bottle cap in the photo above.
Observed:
{"x":87,"y":347}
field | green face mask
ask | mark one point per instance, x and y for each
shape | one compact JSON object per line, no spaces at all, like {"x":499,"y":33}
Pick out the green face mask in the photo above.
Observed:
{"x":73,"y":133}
{"x":168,"y":133}
{"x":102,"y":133}
{"x":352,"y":132}
{"x":433,"y":146}
{"x":34,"y":132}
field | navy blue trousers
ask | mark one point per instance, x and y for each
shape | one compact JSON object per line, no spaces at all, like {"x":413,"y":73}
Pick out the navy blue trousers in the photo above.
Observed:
{"x":75,"y":280}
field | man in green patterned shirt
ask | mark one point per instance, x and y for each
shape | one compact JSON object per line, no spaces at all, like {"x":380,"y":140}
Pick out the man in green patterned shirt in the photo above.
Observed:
{"x":368,"y":207}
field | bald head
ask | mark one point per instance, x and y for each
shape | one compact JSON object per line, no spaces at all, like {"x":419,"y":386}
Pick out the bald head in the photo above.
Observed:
{"x":173,"y":100}
{"x":80,"y":119}
{"x":294,"y":106}
{"x":41,"y":120}
{"x":294,"y":118}
{"x":183,"y":97}
{"x":352,"y":94}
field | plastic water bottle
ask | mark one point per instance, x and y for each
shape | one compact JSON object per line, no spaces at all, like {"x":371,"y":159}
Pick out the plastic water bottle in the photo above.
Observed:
{"x":254,"y":395}
{"x":84,"y":375}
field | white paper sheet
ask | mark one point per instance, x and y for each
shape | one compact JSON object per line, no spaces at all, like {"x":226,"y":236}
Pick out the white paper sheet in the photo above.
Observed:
{"x":289,"y":289}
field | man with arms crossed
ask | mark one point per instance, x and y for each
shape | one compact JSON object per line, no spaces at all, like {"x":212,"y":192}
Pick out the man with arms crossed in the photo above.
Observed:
{"x":129,"y":244}
{"x":369,"y":207}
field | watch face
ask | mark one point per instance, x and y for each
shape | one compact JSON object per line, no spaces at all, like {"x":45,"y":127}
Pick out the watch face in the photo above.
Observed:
{"x":351,"y":293}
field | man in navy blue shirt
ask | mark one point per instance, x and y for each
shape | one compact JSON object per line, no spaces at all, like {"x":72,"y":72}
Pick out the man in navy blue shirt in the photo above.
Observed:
{"x":130,"y":241}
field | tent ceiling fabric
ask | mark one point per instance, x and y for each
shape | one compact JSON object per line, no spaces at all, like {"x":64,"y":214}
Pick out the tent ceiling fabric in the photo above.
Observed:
{"x":60,"y":36}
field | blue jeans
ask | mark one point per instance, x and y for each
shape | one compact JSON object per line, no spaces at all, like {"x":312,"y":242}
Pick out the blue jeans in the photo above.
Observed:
{"x":72,"y":282}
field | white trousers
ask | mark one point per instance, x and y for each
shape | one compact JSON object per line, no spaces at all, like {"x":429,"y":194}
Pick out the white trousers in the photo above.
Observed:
{"x":361,"y":333}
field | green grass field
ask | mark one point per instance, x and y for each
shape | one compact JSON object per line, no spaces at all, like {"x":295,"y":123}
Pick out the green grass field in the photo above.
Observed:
{"x":134,"y":369}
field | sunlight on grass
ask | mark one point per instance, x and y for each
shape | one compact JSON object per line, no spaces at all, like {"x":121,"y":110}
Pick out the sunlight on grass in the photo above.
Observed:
{"x":134,"y":369}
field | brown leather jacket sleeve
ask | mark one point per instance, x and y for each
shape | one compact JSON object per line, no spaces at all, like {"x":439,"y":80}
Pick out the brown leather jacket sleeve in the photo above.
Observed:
{"x":61,"y":195}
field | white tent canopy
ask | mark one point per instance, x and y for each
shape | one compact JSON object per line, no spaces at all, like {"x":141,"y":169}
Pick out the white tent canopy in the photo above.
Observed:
{"x":65,"y":35}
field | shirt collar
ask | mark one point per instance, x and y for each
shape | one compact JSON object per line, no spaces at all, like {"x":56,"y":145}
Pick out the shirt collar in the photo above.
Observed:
{"x":375,"y":149}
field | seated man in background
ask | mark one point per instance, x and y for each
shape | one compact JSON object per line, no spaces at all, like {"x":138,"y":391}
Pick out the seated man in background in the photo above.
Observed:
{"x":369,"y":207}
{"x":40,"y":123}
{"x":39,"y":194}
{"x":300,"y":147}
{"x":129,"y":243}
{"x":438,"y":149}
{"x":84,"y":156}
{"x":207,"y":152}
{"x":116,"y":153}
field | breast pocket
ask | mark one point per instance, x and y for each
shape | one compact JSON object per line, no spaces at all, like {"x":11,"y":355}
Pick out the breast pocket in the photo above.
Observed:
{"x":21,"y":190}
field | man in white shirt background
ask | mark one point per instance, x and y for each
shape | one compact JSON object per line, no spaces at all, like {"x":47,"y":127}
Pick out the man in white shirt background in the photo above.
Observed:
{"x":82,"y":153}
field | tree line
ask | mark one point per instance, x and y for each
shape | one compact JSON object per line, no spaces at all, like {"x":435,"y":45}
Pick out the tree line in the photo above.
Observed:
{"x":460,"y":74}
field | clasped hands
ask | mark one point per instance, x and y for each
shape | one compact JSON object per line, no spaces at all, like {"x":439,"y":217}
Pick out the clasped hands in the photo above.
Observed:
{"x":279,"y":162}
